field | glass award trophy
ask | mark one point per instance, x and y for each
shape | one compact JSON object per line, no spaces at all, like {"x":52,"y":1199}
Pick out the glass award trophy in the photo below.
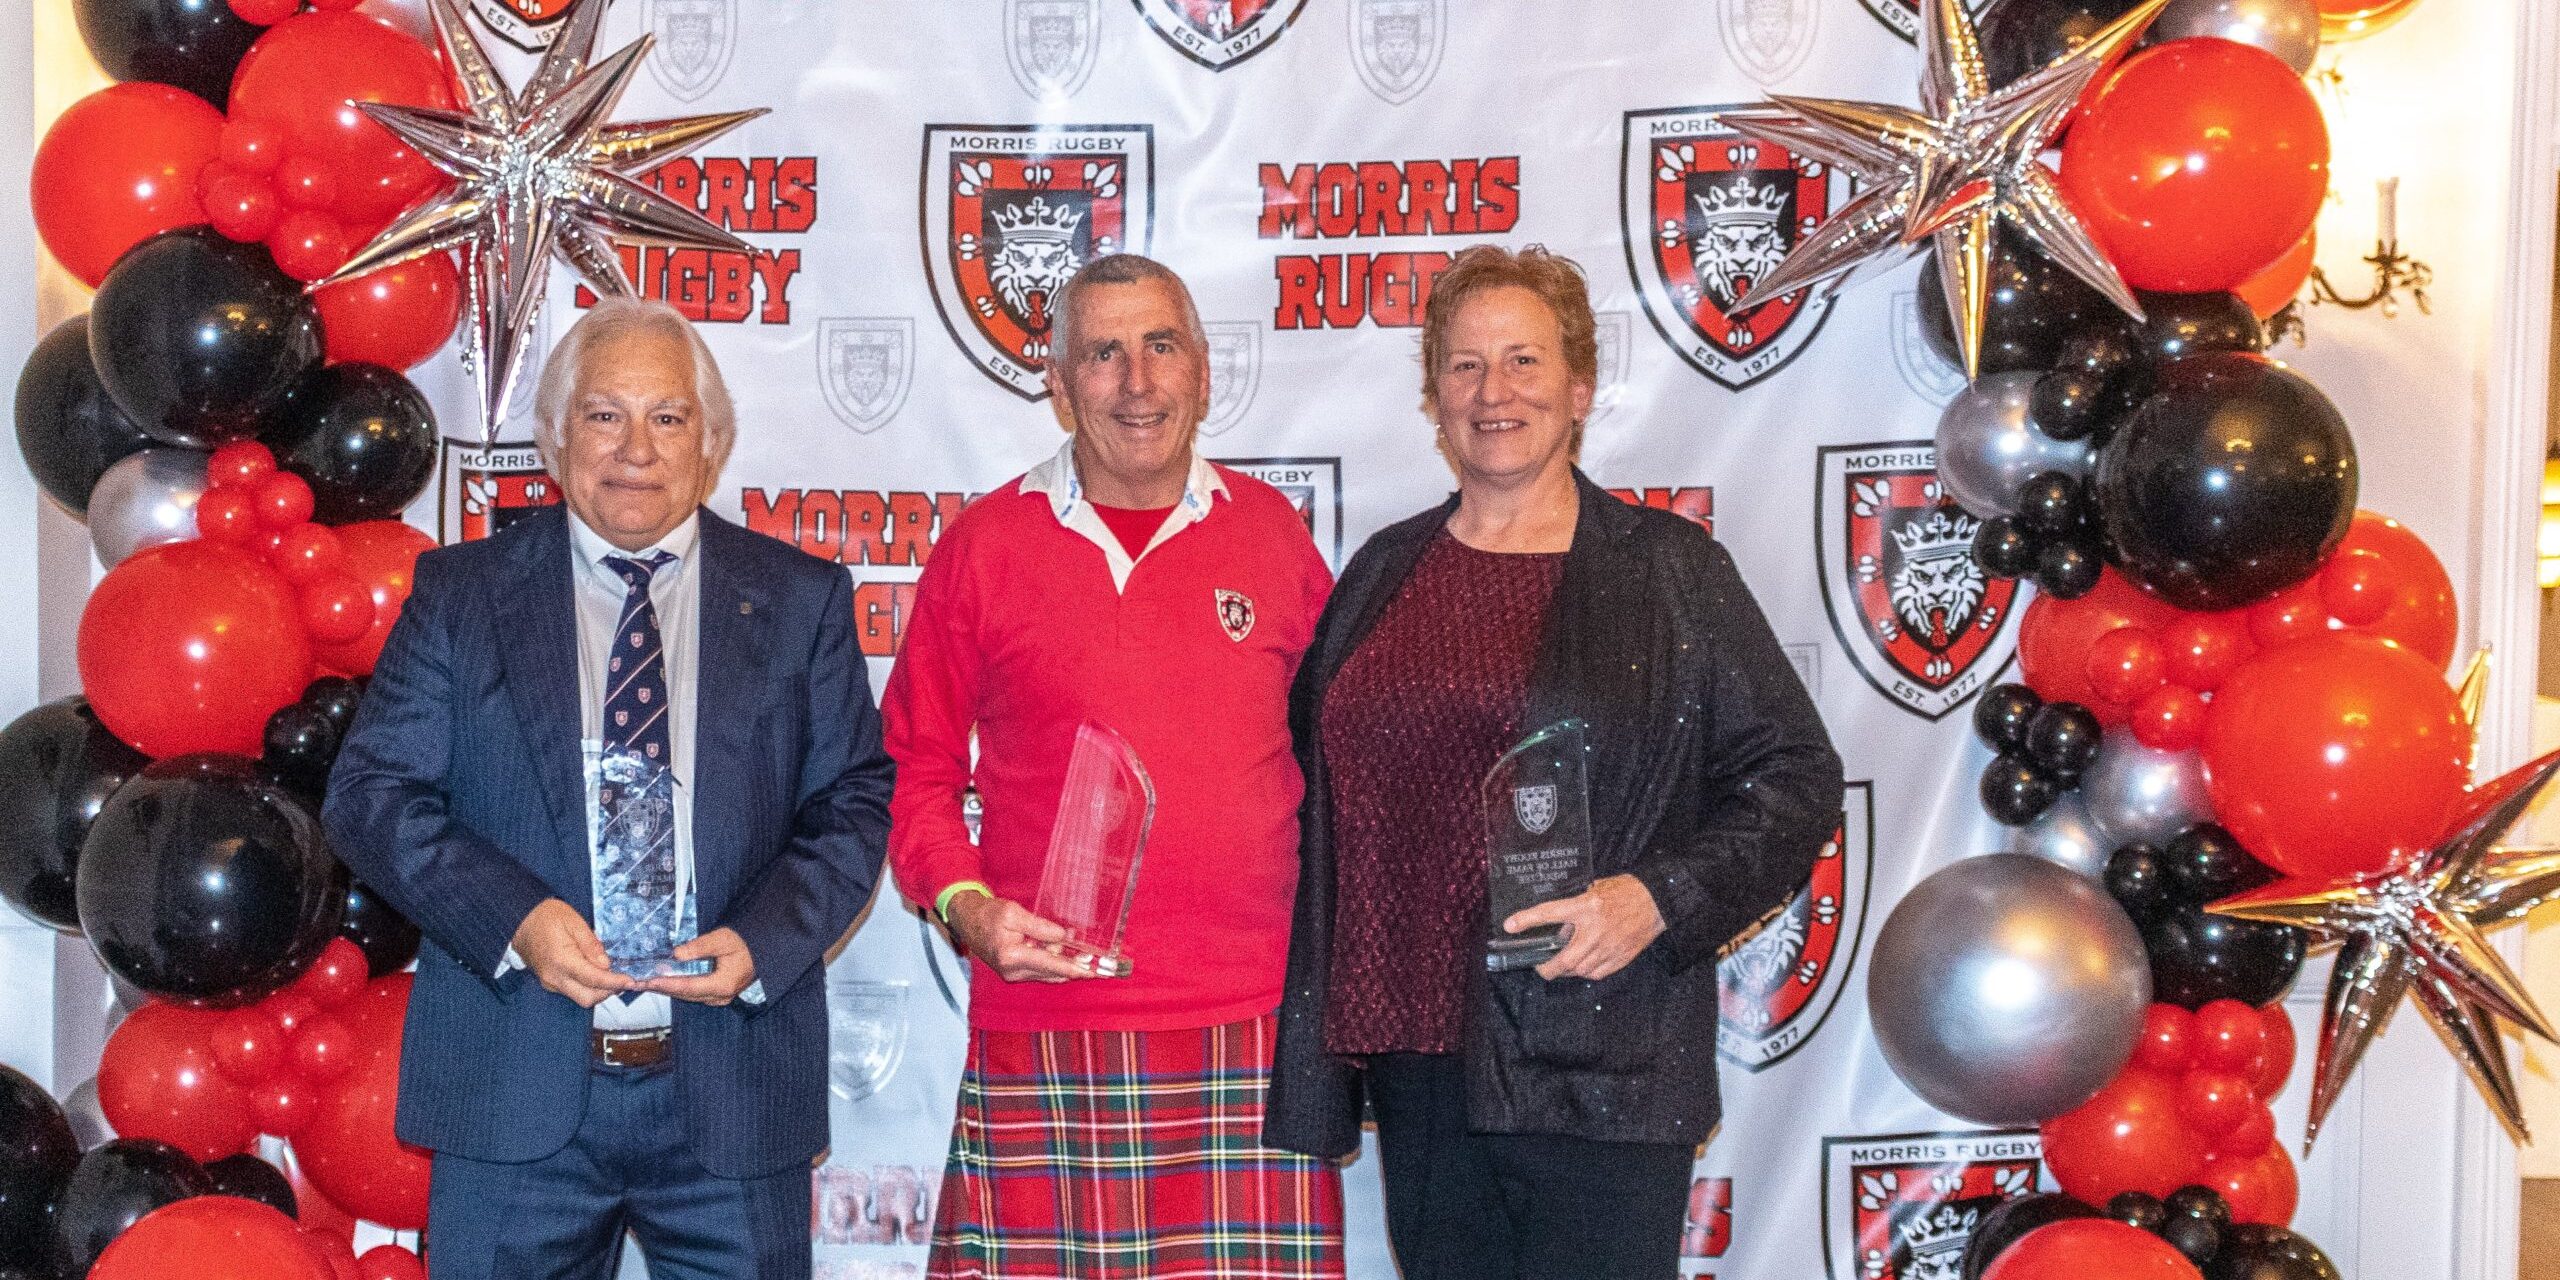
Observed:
{"x":1537,"y":818}
{"x":1092,"y":872}
{"x":644,"y":908}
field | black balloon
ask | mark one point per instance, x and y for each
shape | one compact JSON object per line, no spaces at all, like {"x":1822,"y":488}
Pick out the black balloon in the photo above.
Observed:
{"x":251,"y":1178}
{"x":2197,"y":1238}
{"x":198,"y":336}
{"x":2138,"y":1209}
{"x":2068,"y":570}
{"x":301,"y":743}
{"x":2003,"y":712}
{"x":2063,"y":738}
{"x":69,"y":430}
{"x":2010,"y":1221}
{"x":387,"y":938}
{"x":2251,"y":1251}
{"x":2231,"y":483}
{"x":58,"y":765}
{"x":2175,"y":325}
{"x":2052,"y":504}
{"x":193,"y":44}
{"x":2014,"y":792}
{"x":205,"y":883}
{"x":362,"y":435}
{"x":2004,"y":549}
{"x":111,"y":1189}
{"x":2139,"y":883}
{"x":2019,"y":36}
{"x":2032,"y":307}
{"x":335,"y":697}
{"x":2200,"y":1202}
{"x":2198,"y":957}
{"x":37,"y":1151}
{"x":2205,"y":862}
{"x":2069,"y":404}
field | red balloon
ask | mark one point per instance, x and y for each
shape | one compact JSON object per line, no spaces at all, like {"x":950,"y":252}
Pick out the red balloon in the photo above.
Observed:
{"x":317,"y":1215}
{"x":2343,"y":20}
{"x":2295,"y":613}
{"x":158,"y":1079}
{"x":337,"y":1255}
{"x":2125,"y":664}
{"x":2171,"y":719}
{"x":291,"y":1009}
{"x":324,"y":1050}
{"x":2422,"y":615}
{"x":242,"y":206}
{"x":2205,"y":648}
{"x":349,"y":1150}
{"x":304,"y":77}
{"x":2198,"y":164}
{"x":2230,"y":1036}
{"x":390,"y":1262}
{"x":210,"y":1238}
{"x":309,"y":552}
{"x":2270,"y":290}
{"x":284,"y":501}
{"x":2254,"y":1134}
{"x":383,"y":554}
{"x":2055,"y":635}
{"x":2261,"y":1188}
{"x":2168,"y":1039}
{"x":309,"y":245}
{"x":284,"y":1106}
{"x":2357,"y":587}
{"x":395,"y":317}
{"x":305,"y":183}
{"x":2090,"y":1249}
{"x":227,"y":517}
{"x":336,"y":609}
{"x":2335,"y":755}
{"x":2217,"y":1102}
{"x":248,"y":1045}
{"x":2130,"y":1137}
{"x":2276,"y":1066}
{"x":190,"y":646}
{"x":339,"y":975}
{"x":121,"y":166}
{"x":252,"y":146}
{"x":240,"y":464}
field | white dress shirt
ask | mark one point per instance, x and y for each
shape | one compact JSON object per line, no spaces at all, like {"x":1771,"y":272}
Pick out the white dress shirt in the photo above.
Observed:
{"x":1056,"y":480}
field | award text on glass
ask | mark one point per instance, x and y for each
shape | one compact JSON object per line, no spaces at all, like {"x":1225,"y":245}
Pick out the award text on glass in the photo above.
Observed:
{"x":1537,"y":819}
{"x":1091,"y":875}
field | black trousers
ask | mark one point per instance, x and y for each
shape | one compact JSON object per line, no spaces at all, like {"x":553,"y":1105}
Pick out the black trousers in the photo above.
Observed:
{"x":1495,"y":1206}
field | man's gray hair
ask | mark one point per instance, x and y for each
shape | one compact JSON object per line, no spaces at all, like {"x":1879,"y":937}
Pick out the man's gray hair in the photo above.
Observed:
{"x":612,"y":318}
{"x":1120,"y":268}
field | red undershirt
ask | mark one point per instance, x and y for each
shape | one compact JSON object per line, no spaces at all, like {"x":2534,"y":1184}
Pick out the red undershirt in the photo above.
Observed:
{"x":1135,"y":527}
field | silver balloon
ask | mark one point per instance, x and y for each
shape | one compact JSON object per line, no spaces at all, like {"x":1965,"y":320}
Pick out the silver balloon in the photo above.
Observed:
{"x":145,"y":499}
{"x":88,"y":1121}
{"x":1988,"y":444}
{"x":2289,"y":29}
{"x":2141,"y":796}
{"x":2006,"y":990}
{"x":2065,"y":836}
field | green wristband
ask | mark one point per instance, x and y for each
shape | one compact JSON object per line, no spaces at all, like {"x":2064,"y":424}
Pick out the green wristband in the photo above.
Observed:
{"x":942,"y":900}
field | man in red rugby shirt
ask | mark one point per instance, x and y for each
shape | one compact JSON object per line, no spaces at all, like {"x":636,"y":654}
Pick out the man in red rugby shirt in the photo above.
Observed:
{"x":1113,"y":1125}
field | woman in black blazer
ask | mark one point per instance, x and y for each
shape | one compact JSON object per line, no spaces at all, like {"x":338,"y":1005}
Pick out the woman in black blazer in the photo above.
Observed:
{"x":1532,"y":1123}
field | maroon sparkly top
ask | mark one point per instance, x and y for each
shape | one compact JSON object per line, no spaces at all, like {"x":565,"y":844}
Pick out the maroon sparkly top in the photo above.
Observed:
{"x":1411,"y":724}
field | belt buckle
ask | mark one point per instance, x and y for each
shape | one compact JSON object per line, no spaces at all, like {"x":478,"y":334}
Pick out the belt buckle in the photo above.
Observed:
{"x":633,"y":1048}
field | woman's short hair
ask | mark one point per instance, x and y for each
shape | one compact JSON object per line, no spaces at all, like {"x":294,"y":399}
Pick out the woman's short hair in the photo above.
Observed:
{"x":612,"y":318}
{"x":1556,"y":279}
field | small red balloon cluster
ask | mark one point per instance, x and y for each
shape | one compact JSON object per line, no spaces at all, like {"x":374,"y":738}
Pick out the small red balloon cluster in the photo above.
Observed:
{"x":316,"y":1063}
{"x":2189,"y":1110}
{"x":235,"y":1239}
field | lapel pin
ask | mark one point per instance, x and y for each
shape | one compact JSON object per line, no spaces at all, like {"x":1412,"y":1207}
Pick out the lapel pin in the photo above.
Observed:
{"x":745,"y":608}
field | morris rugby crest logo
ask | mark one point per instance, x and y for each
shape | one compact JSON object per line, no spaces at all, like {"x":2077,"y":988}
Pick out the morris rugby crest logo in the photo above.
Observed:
{"x":1049,"y":45}
{"x":695,"y":40}
{"x":526,"y":24}
{"x":1928,"y":376}
{"x":1218,"y":34}
{"x":1767,"y":38}
{"x":1903,"y":1206}
{"x":1706,"y":212}
{"x":1535,"y":807}
{"x":1902,"y":17}
{"x":1010,"y":212}
{"x":1924,"y":624}
{"x":1779,"y":987}
{"x":1235,"y":372}
{"x":1313,"y":486}
{"x":1396,"y":44}
{"x":482,"y":491}
{"x":1610,"y":332}
{"x":864,"y":365}
{"x":866,"y":1036}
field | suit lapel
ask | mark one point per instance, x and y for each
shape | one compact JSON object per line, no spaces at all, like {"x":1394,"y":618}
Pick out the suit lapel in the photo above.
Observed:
{"x":730,"y":676}
{"x":541,"y":666}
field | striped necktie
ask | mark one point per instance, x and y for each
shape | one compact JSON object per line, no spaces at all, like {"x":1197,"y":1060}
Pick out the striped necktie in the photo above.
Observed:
{"x":638,"y":915}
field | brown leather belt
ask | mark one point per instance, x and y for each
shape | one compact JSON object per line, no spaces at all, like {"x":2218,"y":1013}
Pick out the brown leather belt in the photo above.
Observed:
{"x":632,"y":1048}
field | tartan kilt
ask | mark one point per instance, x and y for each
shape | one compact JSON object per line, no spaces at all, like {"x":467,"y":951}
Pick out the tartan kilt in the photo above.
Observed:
{"x":1096,"y":1155}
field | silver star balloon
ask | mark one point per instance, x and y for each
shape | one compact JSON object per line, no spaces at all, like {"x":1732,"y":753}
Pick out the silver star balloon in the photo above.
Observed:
{"x":2419,"y":932}
{"x":538,"y":174}
{"x":1949,"y":172}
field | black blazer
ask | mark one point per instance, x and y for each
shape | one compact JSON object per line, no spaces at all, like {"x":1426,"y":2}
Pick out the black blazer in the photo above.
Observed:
{"x":1711,"y":780}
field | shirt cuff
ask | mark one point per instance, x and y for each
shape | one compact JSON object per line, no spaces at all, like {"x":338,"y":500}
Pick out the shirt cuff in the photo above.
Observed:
{"x":509,"y":964}
{"x":754,"y":994}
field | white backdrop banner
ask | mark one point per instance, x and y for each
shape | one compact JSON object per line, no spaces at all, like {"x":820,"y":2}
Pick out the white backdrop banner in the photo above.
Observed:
{"x":934,"y":169}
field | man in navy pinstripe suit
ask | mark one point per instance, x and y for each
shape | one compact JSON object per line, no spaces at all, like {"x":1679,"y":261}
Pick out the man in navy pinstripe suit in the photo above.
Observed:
{"x":621,"y":763}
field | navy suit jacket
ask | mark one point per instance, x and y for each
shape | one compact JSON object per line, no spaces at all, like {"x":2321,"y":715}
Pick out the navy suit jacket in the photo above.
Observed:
{"x":460,"y":796}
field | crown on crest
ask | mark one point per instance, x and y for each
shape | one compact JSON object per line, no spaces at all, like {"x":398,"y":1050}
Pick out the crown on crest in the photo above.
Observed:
{"x":1943,"y":1230}
{"x":1938,"y":537}
{"x":1039,"y":221}
{"x":1760,"y":202}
